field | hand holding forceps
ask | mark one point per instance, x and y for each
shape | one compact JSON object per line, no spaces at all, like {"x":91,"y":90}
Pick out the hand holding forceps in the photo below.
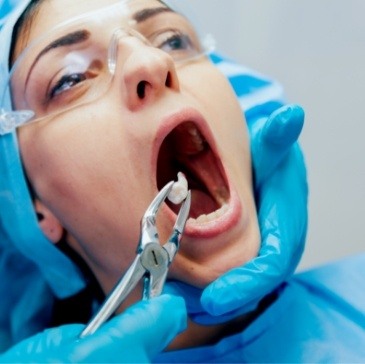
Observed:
{"x":151,"y":263}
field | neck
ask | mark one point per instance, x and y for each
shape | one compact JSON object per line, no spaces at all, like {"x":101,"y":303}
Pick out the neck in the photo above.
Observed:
{"x":199,"y":335}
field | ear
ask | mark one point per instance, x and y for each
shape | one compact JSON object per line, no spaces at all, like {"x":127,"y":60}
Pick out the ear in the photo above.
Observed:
{"x":48,"y":222}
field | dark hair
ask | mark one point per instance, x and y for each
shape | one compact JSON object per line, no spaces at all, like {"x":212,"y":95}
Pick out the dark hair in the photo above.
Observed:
{"x":22,"y":26}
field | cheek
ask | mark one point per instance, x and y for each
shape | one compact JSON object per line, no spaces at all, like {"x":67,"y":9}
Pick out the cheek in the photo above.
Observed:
{"x":77,"y":155}
{"x":86,"y":180}
{"x":79,"y":166}
{"x":57,"y":161}
{"x":224,"y":115}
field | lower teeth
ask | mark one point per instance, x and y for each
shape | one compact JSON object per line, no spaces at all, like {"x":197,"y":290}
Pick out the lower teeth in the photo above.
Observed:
{"x":210,"y":217}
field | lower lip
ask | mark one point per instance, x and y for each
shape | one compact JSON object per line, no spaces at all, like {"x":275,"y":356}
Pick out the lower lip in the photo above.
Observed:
{"x":215,"y":228}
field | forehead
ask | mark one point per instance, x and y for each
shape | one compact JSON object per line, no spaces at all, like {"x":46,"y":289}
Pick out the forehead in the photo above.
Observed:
{"x":54,"y":12}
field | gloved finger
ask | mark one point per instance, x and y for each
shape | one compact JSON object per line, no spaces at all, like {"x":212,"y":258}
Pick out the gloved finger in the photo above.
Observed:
{"x":155,"y":322}
{"x":190,"y":294}
{"x":60,"y":335}
{"x":138,"y":334}
{"x":271,"y":139}
{"x":51,"y":345}
{"x":247,"y":285}
{"x":283,"y":231}
{"x":196,"y":311}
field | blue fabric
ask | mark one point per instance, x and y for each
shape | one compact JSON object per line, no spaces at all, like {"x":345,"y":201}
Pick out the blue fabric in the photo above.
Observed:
{"x":318,"y":317}
{"x":6,"y":7}
{"x":257,"y":94}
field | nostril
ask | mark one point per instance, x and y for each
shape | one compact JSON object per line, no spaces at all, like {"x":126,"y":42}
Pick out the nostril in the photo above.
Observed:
{"x":141,"y":89}
{"x":168,"y":81}
{"x":144,"y":86}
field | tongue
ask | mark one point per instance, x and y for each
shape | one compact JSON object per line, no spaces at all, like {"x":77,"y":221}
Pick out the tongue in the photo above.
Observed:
{"x":204,"y":167}
{"x":201,"y":203}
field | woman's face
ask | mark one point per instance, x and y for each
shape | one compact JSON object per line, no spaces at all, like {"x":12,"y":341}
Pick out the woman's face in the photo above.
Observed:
{"x":97,"y":167}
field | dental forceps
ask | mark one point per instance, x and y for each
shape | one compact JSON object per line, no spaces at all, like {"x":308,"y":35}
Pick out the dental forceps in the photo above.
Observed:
{"x":151,"y":263}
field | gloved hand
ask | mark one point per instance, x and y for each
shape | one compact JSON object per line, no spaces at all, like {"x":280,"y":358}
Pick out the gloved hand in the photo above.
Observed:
{"x":137,"y":335}
{"x":281,"y":196}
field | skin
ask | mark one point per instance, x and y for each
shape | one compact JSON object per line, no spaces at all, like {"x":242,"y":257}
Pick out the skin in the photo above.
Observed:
{"x":94,"y":167}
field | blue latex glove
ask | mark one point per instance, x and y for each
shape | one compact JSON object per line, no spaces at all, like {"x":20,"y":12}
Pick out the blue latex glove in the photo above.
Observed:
{"x":281,"y":194}
{"x":137,"y":335}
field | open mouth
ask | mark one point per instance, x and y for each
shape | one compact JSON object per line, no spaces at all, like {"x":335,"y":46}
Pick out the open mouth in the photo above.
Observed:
{"x":186,"y":150}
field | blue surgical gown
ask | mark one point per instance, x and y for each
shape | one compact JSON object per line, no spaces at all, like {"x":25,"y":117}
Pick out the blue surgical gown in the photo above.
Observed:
{"x":318,"y":317}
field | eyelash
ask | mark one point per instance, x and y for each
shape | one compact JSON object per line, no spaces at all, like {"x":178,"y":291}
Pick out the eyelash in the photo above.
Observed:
{"x":60,"y":85}
{"x":183,"y":39}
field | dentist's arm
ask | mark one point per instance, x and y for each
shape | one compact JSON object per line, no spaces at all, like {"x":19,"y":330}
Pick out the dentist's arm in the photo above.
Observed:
{"x":136,"y":336}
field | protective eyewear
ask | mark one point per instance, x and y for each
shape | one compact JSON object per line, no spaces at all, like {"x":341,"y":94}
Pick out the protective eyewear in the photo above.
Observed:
{"x":74,"y":64}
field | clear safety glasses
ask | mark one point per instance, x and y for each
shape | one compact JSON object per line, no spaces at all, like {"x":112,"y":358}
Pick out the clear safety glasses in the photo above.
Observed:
{"x":74,"y":64}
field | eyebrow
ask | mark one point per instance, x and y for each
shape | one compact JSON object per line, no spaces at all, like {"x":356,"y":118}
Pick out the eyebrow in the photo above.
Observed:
{"x":82,"y":35}
{"x":146,"y":14}
{"x":66,"y":40}
{"x":69,"y":39}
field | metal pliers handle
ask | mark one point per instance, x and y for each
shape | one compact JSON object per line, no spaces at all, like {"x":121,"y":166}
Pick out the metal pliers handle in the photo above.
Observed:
{"x":151,"y":263}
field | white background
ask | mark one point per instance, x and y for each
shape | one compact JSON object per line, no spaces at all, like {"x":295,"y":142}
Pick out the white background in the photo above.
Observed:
{"x":316,"y":49}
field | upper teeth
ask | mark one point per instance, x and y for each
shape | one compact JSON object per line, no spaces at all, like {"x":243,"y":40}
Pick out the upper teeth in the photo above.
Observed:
{"x":197,"y":138}
{"x":179,"y":189}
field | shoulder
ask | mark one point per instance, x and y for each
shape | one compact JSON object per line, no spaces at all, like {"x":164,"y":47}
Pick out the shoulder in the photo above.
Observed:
{"x":342,"y":281}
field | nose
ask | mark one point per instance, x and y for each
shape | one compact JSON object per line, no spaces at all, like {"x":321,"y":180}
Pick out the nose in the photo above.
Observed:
{"x":146,"y":73}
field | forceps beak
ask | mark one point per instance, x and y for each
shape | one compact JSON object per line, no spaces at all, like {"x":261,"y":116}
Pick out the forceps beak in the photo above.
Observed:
{"x":183,"y":215}
{"x":172,"y":245}
{"x":148,"y":222}
{"x":157,"y":201}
